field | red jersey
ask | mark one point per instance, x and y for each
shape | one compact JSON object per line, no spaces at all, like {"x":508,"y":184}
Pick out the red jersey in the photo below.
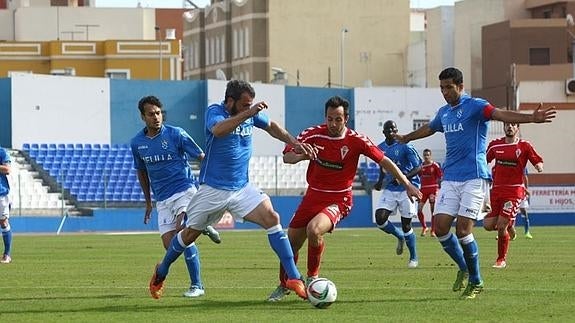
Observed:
{"x":430,"y":174}
{"x":337,"y":158}
{"x":510,"y":161}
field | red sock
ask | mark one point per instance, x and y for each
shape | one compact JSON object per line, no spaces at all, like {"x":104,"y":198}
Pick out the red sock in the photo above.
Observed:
{"x":421,"y":218}
{"x":502,"y":246}
{"x":314,"y":259}
{"x":283,"y":274}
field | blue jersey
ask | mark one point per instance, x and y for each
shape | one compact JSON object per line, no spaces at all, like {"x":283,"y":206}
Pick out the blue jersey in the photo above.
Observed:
{"x":4,"y":160}
{"x":465,"y":128}
{"x":165,"y":158}
{"x":406,"y":158}
{"x":227,"y":158}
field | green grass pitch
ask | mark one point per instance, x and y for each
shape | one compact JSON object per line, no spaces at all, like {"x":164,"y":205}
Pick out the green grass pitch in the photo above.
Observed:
{"x":104,"y":278}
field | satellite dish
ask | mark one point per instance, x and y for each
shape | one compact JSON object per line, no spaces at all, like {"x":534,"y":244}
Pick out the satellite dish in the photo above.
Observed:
{"x":569,"y":19}
{"x":220,"y":75}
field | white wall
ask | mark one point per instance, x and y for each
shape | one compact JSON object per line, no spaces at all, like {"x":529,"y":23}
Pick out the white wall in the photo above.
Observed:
{"x":53,"y":23}
{"x":274,"y":96}
{"x":374,"y":106}
{"x":41,"y":102}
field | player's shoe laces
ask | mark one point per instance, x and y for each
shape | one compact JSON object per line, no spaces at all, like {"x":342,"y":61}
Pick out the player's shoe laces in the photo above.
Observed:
{"x":156,"y":284}
{"x":412,"y":264}
{"x":309,"y":280}
{"x":472,"y":290}
{"x":399,"y":248}
{"x":194,"y":291}
{"x":424,"y":232}
{"x":298,"y":286}
{"x":528,"y":235}
{"x":279,"y":293}
{"x":212,"y":234}
{"x":6,"y":259}
{"x":460,"y":280}
{"x":500,"y":264}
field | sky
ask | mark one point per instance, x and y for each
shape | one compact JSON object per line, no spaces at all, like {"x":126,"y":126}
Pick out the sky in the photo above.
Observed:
{"x":203,"y":3}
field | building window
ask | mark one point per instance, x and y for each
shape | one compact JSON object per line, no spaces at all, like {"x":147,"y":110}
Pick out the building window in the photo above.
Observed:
{"x":196,"y":54}
{"x":118,"y":74}
{"x":223,"y":48}
{"x":417,"y":123}
{"x":246,"y":42}
{"x":235,"y":44}
{"x":241,"y":43}
{"x":218,"y":49}
{"x":547,"y":13}
{"x":539,"y":56}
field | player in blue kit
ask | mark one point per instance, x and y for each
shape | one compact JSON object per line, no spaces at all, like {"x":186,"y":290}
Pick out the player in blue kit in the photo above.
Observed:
{"x":394,"y":196}
{"x":464,"y":121}
{"x":5,"y":206}
{"x":161,"y":155}
{"x":224,"y":184}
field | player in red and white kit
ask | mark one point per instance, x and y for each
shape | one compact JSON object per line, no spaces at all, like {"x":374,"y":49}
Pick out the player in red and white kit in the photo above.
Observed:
{"x":328,"y":198}
{"x":510,"y":154}
{"x":430,"y":175}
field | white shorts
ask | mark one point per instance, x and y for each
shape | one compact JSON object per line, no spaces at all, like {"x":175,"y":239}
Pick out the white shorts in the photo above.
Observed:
{"x":4,"y":207}
{"x":169,"y":209}
{"x":524,"y":203}
{"x":209,"y":205}
{"x":397,"y":201}
{"x":461,"y":198}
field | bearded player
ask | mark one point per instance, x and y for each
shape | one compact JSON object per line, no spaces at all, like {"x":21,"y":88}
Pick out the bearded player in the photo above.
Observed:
{"x":328,"y":198}
{"x":510,"y":154}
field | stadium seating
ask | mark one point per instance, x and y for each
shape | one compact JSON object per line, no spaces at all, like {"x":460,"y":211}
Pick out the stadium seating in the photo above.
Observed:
{"x":90,"y":172}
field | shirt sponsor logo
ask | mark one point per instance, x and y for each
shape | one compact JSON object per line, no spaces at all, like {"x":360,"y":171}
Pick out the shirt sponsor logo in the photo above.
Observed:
{"x":453,"y":127}
{"x":157,"y":158}
{"x":328,"y":164}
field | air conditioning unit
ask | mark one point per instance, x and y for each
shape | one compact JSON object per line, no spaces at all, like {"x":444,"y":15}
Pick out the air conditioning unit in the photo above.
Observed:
{"x":570,"y":86}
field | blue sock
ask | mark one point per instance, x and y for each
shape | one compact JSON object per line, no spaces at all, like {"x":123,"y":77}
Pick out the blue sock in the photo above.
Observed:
{"x":192,"y":257}
{"x":471,"y":253}
{"x":410,"y":242}
{"x":389,"y":228}
{"x":280,"y":244}
{"x":453,"y":249}
{"x":526,"y":224}
{"x":175,"y":249}
{"x":7,"y":238}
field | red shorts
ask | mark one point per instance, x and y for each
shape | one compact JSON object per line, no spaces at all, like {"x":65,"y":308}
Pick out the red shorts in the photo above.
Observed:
{"x":505,"y":201}
{"x":428,"y":194}
{"x":335,"y":205}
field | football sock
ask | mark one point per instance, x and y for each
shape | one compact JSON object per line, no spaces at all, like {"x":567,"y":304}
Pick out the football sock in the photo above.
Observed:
{"x":526,"y":222}
{"x":192,"y":257}
{"x":175,"y":249}
{"x":410,"y":242}
{"x":283,"y":275}
{"x":389,"y":228}
{"x":7,"y":238}
{"x":452,"y":247}
{"x":471,"y":253}
{"x":280,"y":244}
{"x":502,"y":246}
{"x":421,"y":218}
{"x":314,"y":259}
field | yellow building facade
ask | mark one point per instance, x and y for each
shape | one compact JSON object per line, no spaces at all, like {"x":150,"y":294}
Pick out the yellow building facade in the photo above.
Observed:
{"x":125,"y":59}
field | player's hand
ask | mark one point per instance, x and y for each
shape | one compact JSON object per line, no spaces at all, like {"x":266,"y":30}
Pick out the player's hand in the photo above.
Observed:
{"x":413,"y":193}
{"x":256,"y":108}
{"x":527,"y":193}
{"x":180,"y":221}
{"x":377,"y":186}
{"x":545,"y":115}
{"x":148,"y":213}
{"x":306,"y":149}
{"x":400,"y":138}
{"x":539,"y":167}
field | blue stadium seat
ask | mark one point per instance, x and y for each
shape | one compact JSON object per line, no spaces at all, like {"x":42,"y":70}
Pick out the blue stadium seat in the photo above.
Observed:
{"x":26,"y":147}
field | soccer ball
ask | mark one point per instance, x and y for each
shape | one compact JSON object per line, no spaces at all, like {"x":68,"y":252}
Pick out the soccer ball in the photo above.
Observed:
{"x":321,"y":292}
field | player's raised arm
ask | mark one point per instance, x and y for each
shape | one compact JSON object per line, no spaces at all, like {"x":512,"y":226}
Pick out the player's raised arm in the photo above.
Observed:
{"x":421,"y":132}
{"x":539,"y":115}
